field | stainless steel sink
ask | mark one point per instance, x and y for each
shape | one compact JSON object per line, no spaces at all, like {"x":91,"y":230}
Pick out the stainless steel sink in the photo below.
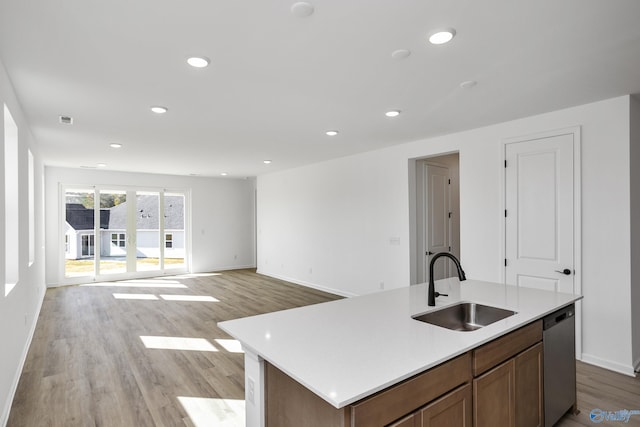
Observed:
{"x":465,"y":316}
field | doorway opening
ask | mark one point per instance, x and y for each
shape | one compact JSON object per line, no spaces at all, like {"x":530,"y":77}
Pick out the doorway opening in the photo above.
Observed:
{"x":434,"y":184}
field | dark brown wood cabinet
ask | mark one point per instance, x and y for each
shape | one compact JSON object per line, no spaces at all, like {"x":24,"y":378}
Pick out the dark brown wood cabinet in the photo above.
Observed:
{"x":451,"y":410}
{"x":289,"y":404}
{"x":529,"y":388}
{"x":494,"y":397}
{"x":497,"y":384}
{"x":408,"y":421}
{"x":508,"y":388}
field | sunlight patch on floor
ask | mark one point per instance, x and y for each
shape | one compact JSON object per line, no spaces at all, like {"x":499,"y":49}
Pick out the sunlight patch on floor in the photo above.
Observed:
{"x":159,"y":281}
{"x":135,"y":296}
{"x":137,"y":284}
{"x":209,"y":412}
{"x":177,"y":343}
{"x":192,"y":275}
{"x":202,"y":298}
{"x":232,"y":346}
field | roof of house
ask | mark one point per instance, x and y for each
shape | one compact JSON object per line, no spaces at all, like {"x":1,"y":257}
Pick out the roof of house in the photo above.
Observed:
{"x":81,"y":218}
{"x":115,"y":218}
{"x":147,"y":213}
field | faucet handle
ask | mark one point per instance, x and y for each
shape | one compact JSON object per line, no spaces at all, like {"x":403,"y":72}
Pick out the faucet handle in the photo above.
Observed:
{"x":438,"y":294}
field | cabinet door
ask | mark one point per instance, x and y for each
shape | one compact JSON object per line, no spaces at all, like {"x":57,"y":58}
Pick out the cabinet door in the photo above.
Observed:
{"x":451,"y":410}
{"x":494,"y":397}
{"x":409,"y":421}
{"x":529,"y":403}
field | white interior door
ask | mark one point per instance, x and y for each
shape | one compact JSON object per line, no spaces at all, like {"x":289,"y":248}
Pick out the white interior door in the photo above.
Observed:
{"x":437,"y":212}
{"x":539,"y":223}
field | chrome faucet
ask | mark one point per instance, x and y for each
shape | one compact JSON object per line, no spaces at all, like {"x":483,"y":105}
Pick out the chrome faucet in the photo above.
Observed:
{"x":431,"y":297}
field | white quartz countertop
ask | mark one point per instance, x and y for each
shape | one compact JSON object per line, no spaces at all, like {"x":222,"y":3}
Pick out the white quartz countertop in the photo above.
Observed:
{"x":348,"y":349}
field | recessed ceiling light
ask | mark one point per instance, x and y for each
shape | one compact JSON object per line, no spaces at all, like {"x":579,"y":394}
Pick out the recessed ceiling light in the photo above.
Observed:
{"x":400,"y":54}
{"x":266,"y":162}
{"x":198,"y":61}
{"x":223,"y":174}
{"x":302,"y":9}
{"x":101,"y":165}
{"x":115,"y":145}
{"x":392,"y":113}
{"x":442,"y":36}
{"x":159,"y":109}
{"x":468,"y":84}
{"x":332,"y":132}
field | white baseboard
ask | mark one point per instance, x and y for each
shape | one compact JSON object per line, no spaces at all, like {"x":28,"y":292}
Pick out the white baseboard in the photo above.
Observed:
{"x":607,"y":364}
{"x":4,"y":419}
{"x":308,"y":284}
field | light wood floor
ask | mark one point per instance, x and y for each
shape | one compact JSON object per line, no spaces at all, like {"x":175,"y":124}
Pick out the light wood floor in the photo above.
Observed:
{"x":88,"y":365}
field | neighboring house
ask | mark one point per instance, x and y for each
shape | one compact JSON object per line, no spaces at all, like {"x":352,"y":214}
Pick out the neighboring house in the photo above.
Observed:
{"x":80,"y":238}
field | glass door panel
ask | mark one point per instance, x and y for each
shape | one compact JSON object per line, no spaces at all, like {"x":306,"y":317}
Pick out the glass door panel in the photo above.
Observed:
{"x":79,"y":238}
{"x":174,"y":231}
{"x":147,"y":231}
{"x":113,"y":232}
{"x":126,"y":233}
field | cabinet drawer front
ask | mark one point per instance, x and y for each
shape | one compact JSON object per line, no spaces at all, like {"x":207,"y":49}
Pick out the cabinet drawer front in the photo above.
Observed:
{"x":501,"y":349}
{"x":401,"y":399}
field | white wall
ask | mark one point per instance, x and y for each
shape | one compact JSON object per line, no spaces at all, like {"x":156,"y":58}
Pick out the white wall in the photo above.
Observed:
{"x":634,"y":163}
{"x":222,"y":215}
{"x":343,"y":225}
{"x":19,"y":309}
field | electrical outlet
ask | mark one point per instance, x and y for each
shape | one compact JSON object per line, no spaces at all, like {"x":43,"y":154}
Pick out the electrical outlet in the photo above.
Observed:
{"x":381,"y":285}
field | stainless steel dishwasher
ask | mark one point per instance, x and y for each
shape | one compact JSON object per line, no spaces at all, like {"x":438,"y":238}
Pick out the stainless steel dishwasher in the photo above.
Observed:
{"x":559,"y":338}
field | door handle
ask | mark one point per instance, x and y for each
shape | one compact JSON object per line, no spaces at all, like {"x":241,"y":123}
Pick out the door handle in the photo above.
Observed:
{"x":566,"y":271}
{"x":429,"y":253}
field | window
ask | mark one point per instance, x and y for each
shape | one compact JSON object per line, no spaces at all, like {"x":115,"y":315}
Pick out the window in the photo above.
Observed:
{"x":11,"y":203}
{"x":32,"y":211}
{"x":118,"y":240}
{"x":168,"y":240}
{"x":66,"y":243}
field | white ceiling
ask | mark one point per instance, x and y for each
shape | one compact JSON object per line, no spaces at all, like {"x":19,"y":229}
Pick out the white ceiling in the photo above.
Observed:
{"x":277,"y":82}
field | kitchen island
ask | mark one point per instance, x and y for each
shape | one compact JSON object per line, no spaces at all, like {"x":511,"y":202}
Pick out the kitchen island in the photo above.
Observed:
{"x":345,"y":351}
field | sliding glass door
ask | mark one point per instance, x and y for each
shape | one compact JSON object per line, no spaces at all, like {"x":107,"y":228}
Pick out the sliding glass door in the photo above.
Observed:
{"x":78,"y":231}
{"x":148,"y":226}
{"x":113,"y":232}
{"x":129,"y":233}
{"x":174,"y":231}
